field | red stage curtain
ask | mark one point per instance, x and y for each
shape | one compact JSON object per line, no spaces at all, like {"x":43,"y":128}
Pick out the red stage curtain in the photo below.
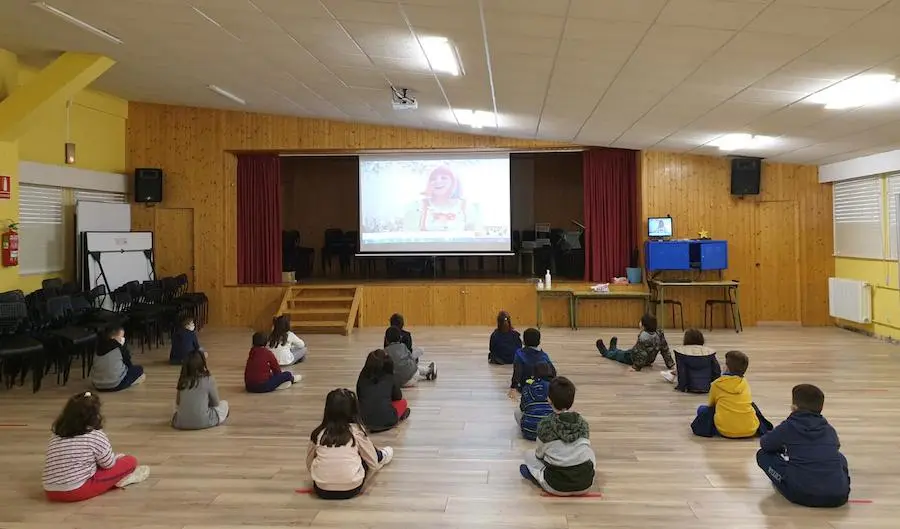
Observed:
{"x":610,"y":212}
{"x":259,"y":219}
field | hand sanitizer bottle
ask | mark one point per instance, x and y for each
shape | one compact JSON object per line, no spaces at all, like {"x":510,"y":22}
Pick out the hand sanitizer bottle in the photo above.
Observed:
{"x":547,"y":280}
{"x":540,"y":285}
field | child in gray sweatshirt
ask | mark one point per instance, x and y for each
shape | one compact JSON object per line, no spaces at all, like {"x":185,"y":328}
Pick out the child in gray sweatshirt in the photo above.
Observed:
{"x":197,"y":402}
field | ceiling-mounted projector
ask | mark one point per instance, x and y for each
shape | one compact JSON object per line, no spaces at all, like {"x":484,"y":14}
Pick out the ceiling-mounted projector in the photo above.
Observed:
{"x":401,"y":99}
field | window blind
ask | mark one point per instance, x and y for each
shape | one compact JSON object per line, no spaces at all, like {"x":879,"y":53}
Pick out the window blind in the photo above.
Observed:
{"x":41,"y":229}
{"x":893,"y":187}
{"x":82,"y":195}
{"x":857,"y":218}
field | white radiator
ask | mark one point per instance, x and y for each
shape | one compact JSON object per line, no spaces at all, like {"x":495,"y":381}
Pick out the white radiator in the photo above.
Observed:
{"x":849,"y":299}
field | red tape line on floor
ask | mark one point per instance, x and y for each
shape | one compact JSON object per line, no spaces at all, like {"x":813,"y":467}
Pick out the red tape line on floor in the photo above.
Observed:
{"x":588,"y":495}
{"x":304,"y":491}
{"x":861,"y":501}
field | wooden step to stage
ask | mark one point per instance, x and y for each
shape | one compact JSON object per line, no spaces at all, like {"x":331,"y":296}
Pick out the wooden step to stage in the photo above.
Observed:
{"x":327,"y":309}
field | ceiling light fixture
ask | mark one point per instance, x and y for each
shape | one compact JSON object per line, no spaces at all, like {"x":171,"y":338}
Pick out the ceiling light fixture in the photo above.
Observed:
{"x":441,"y":55}
{"x":225,"y":93}
{"x":741,"y":142}
{"x":475,"y":118}
{"x":858,"y":91}
{"x":78,"y":22}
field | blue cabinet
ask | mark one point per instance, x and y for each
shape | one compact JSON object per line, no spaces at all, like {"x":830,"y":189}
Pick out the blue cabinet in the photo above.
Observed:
{"x":686,"y":255}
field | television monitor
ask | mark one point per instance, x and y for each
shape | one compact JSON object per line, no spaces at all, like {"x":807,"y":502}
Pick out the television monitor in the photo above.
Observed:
{"x":659,"y":227}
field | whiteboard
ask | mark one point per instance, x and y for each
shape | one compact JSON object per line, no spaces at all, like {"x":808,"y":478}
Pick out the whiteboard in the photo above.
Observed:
{"x":116,"y":258}
{"x":98,"y":216}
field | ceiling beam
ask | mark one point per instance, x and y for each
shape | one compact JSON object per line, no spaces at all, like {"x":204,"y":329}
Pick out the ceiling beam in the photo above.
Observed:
{"x":69,"y":74}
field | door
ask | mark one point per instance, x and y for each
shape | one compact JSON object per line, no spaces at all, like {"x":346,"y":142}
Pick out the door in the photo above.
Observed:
{"x":777,"y":279}
{"x":173,"y":241}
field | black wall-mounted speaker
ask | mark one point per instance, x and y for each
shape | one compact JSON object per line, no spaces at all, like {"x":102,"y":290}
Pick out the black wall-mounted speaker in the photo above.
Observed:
{"x":148,"y":185}
{"x":745,"y":176}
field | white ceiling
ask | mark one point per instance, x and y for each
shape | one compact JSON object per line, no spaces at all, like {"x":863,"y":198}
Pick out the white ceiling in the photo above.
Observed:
{"x":643,"y":74}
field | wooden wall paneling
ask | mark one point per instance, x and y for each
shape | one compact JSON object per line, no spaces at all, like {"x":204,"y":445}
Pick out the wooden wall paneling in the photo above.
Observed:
{"x":695,"y":190}
{"x":174,"y":242}
{"x":379,"y":301}
{"x":778,"y":271}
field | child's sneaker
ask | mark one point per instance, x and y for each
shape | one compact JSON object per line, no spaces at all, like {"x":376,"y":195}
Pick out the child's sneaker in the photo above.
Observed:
{"x":297,"y":377}
{"x":387,"y":453}
{"x":139,"y":380}
{"x":141,"y":473}
{"x":613,"y":342}
{"x":669,"y":376}
{"x":284,"y":385}
{"x":432,"y":372}
{"x":523,"y":469}
{"x":601,"y":347}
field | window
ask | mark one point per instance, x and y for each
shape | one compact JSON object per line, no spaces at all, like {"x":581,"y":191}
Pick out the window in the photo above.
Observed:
{"x":893,"y":188}
{"x":857,"y":218}
{"x":41,"y":230}
{"x":83,"y":195}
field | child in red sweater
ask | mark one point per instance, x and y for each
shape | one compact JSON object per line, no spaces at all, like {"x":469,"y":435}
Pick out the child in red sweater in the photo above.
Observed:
{"x":262,"y":373}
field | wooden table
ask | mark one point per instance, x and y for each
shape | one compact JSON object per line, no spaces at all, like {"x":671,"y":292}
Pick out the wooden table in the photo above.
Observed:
{"x":728,"y":287}
{"x":574,"y":296}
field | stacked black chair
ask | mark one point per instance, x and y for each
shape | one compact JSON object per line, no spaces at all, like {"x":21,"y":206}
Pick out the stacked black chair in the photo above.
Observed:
{"x":70,"y":340}
{"x":198,"y":300}
{"x":144,"y":318}
{"x":19,"y":351}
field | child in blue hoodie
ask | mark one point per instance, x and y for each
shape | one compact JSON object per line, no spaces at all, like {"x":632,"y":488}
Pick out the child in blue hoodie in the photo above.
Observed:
{"x":534,"y":405}
{"x":802,"y":455}
{"x":525,"y":360}
{"x":184,"y":341}
{"x":505,"y":341}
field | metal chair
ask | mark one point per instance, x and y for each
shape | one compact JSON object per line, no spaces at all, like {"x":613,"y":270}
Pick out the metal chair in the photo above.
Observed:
{"x":727,"y":303}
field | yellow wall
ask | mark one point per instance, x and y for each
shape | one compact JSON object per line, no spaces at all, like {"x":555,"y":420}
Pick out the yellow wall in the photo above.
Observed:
{"x":97,"y":125}
{"x":882,"y":275}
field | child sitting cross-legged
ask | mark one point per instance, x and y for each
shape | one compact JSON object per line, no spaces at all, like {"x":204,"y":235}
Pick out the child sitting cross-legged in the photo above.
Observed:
{"x":381,"y":402}
{"x":262,"y":374}
{"x":696,"y":365}
{"x":731,"y":412}
{"x":534,"y":406}
{"x":287,"y":347}
{"x":650,"y":342}
{"x":80,"y":463}
{"x":113,"y":369}
{"x":525,"y":361}
{"x":802,"y":456}
{"x":340,"y":455}
{"x":197,"y":402}
{"x":563,"y":461}
{"x":407,"y":369}
{"x":504,"y":342}
{"x":184,"y":340}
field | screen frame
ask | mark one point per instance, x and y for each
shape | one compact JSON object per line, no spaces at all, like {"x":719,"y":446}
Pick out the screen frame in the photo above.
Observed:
{"x":671,"y":226}
{"x":434,"y":156}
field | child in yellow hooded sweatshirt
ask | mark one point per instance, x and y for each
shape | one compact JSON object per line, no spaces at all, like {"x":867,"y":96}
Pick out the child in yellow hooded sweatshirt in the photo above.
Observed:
{"x":731,"y":412}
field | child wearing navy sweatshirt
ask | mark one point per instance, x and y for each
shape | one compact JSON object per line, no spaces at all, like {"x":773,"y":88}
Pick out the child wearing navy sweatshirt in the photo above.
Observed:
{"x":802,"y":455}
{"x":505,"y":341}
{"x":526,"y":359}
{"x":534,"y":404}
{"x":184,"y":341}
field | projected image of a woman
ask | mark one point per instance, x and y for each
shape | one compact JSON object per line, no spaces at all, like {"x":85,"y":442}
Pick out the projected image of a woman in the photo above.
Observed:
{"x":442,"y":206}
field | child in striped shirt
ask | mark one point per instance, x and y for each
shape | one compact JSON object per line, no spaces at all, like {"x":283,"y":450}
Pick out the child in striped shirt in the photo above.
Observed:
{"x":80,"y":463}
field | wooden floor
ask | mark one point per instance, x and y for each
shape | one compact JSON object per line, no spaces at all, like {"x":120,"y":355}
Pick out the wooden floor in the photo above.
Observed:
{"x":457,"y":457}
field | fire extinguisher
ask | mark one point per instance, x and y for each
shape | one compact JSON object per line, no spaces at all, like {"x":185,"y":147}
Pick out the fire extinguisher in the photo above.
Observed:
{"x":10,"y":244}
